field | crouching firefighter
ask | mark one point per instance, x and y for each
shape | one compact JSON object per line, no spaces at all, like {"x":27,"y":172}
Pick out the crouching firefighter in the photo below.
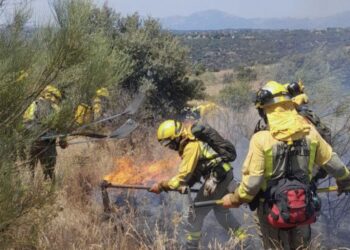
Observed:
{"x":204,"y":154}
{"x":278,"y":168}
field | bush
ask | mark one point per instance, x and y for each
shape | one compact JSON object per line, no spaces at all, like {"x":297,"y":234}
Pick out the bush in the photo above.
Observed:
{"x":228,"y":77}
{"x":246,"y":74}
{"x":85,"y":49}
{"x":238,"y":96}
{"x":159,"y":64}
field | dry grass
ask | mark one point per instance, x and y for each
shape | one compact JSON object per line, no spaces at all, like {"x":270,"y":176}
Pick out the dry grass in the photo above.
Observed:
{"x":154,"y":222}
{"x":79,"y":222}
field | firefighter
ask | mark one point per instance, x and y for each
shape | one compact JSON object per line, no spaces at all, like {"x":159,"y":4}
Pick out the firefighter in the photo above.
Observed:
{"x":201,"y":112}
{"x":301,"y":101}
{"x":100,"y":104}
{"x":198,"y":160}
{"x":285,"y":153}
{"x":86,"y":114}
{"x":39,"y":120}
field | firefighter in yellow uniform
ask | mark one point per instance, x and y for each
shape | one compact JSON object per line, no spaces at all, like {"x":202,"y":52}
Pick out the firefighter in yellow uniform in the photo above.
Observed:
{"x":100,"y":104}
{"x":266,"y":163}
{"x":83,"y":114}
{"x":39,"y":121}
{"x":201,"y":112}
{"x":198,"y":160}
{"x":86,"y":114}
{"x":207,"y":109}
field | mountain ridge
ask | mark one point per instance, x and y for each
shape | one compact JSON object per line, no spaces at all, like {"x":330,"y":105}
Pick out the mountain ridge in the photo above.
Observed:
{"x":218,"y":20}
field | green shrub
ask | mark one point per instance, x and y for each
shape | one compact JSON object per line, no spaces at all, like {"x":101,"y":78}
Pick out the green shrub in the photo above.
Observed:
{"x":237,"y":96}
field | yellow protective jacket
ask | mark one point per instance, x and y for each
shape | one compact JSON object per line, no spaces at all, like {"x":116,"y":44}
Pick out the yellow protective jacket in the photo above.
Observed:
{"x":194,"y":156}
{"x":206,"y":109}
{"x":99,"y":107}
{"x":83,"y":114}
{"x":40,"y":109}
{"x":41,"y":116}
{"x":261,"y":163}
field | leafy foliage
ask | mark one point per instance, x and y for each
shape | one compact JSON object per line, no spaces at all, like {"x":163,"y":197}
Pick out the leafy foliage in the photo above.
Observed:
{"x":237,"y":96}
{"x":85,"y":49}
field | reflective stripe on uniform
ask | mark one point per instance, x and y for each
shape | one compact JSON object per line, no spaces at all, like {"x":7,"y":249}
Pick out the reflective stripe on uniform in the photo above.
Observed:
{"x":207,"y":151}
{"x":29,"y":114}
{"x":313,"y":147}
{"x":209,"y":154}
{"x":226,"y":166}
{"x":244,"y":195}
{"x":268,"y":167}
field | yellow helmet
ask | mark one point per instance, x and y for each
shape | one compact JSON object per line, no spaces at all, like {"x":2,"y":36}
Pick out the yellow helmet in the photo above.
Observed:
{"x":102,"y":92}
{"x":272,"y":93}
{"x":51,"y":92}
{"x":168,"y":131}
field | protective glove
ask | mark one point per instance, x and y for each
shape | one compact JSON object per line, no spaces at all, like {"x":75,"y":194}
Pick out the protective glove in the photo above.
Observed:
{"x":156,"y":188}
{"x":210,"y":185}
{"x":159,"y":187}
{"x":182,"y":189}
{"x":231,"y":200}
{"x":63,"y":143}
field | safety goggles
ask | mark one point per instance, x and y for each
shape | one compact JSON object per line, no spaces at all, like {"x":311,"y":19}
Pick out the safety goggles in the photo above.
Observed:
{"x":172,"y":144}
{"x":165,"y":142}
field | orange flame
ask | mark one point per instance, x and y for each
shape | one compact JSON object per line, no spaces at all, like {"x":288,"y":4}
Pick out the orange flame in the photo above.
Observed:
{"x":127,"y":172}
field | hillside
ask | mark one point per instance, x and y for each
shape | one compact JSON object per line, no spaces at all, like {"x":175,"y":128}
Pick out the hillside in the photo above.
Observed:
{"x":231,"y":48}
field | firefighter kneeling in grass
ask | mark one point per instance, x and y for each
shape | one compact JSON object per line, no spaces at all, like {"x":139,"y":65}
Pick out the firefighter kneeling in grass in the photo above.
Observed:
{"x":205,"y":154}
{"x":277,"y":171}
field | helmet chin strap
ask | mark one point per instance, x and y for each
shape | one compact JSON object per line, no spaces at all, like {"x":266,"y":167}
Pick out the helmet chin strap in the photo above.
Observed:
{"x":262,"y":114}
{"x":177,"y":143}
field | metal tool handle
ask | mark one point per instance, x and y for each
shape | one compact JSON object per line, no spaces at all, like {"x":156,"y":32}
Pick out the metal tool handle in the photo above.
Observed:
{"x":208,"y":203}
{"x":128,"y":186}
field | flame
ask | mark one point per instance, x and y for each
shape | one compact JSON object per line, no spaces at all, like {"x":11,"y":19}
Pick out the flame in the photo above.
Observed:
{"x":128,"y":172}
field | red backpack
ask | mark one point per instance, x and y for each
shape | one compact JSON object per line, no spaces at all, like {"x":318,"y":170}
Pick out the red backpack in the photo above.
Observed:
{"x":290,"y":200}
{"x":292,"y":203}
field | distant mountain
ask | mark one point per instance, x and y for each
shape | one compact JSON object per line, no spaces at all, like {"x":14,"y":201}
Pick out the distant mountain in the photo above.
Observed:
{"x":216,"y":20}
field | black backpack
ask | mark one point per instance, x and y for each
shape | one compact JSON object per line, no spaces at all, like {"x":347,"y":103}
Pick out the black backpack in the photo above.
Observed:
{"x":321,"y":128}
{"x":224,"y":148}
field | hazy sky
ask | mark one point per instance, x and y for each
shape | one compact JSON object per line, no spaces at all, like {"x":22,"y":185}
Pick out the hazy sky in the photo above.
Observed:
{"x":242,"y":8}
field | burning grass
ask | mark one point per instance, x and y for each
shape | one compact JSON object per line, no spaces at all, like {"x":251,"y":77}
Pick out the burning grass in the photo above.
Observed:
{"x":127,"y":171}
